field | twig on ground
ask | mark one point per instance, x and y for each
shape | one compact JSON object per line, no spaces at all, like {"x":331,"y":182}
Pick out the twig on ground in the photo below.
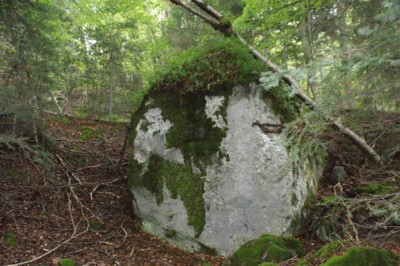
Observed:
{"x":104,"y":184}
{"x":74,"y":235}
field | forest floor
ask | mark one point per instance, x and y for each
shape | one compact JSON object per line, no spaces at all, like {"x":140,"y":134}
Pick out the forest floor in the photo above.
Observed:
{"x":81,"y":202}
{"x":79,"y":206}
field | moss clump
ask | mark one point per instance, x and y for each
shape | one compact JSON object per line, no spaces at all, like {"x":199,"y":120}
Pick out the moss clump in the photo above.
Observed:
{"x":67,"y":262}
{"x":327,"y":250}
{"x":330,"y":199}
{"x":267,"y":264}
{"x":267,"y":248}
{"x":224,"y":63}
{"x":180,"y":181}
{"x":375,"y":188}
{"x":364,"y":256}
{"x":10,"y":239}
{"x":96,"y":225}
{"x":302,"y":262}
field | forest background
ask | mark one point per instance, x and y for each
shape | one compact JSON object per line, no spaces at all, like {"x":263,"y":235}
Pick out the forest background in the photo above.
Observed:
{"x":96,"y":59}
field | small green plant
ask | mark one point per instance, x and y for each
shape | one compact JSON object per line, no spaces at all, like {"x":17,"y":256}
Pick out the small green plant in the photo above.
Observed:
{"x":96,"y":225}
{"x":66,"y":262}
{"x":10,"y":239}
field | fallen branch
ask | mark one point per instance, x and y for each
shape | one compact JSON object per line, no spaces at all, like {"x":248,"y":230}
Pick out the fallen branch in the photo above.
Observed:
{"x":221,"y":24}
{"x":68,"y":172}
{"x":104,"y":184}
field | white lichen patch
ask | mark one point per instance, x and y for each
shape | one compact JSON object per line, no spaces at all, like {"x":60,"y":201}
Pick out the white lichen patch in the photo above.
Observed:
{"x":213,"y":106}
{"x":151,"y":138}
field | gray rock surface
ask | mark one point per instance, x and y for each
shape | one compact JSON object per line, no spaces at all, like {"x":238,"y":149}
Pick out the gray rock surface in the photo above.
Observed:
{"x":248,"y":191}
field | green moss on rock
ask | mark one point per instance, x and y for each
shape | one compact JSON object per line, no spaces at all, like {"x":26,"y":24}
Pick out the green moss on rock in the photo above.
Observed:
{"x":224,"y":63}
{"x":364,"y":256}
{"x":375,"y":188}
{"x":193,"y":133}
{"x":267,"y":248}
{"x":327,"y":250}
{"x":181,"y":181}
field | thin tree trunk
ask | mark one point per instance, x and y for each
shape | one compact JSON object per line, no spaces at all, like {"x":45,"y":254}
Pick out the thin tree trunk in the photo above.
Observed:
{"x":218,"y":22}
{"x":306,"y":41}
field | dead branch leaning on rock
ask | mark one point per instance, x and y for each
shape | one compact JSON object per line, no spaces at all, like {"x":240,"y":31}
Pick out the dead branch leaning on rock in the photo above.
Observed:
{"x":221,"y":24}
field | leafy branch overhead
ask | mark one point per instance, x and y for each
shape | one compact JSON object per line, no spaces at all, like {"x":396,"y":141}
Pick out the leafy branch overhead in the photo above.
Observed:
{"x":218,"y":22}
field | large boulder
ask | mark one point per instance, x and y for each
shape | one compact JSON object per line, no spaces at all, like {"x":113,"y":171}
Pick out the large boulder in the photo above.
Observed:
{"x":207,"y":171}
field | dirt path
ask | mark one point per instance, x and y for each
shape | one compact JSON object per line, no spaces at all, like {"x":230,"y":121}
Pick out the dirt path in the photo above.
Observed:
{"x":81,"y":201}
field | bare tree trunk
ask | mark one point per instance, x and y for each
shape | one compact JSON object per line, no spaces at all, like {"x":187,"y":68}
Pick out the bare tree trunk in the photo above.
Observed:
{"x":343,"y":38}
{"x":219,"y":23}
{"x":306,"y":42}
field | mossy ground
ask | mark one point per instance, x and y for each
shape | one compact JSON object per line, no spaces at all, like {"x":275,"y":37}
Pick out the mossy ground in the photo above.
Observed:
{"x":66,"y":262}
{"x":327,"y":250}
{"x":375,"y":188}
{"x":267,"y":248}
{"x":11,"y":240}
{"x":364,"y":256}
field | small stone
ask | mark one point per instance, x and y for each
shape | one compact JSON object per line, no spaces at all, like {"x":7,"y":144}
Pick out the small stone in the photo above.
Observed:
{"x":338,"y":174}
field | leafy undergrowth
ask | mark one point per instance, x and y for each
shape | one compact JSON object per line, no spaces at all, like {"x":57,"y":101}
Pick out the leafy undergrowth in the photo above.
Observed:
{"x":39,"y":207}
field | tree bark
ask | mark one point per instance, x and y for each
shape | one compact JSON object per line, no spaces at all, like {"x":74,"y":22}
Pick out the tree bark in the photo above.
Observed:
{"x":221,"y":24}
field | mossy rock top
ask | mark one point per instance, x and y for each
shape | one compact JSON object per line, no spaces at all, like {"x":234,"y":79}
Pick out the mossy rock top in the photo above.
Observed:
{"x":267,"y":248}
{"x":364,"y":256}
{"x":222,"y":64}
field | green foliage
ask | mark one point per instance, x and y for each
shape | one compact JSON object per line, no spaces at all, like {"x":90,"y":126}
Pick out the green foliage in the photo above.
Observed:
{"x":10,"y":240}
{"x":222,"y":64}
{"x":66,"y":262}
{"x":32,"y":152}
{"x":304,"y":142}
{"x":364,"y":256}
{"x":267,"y":248}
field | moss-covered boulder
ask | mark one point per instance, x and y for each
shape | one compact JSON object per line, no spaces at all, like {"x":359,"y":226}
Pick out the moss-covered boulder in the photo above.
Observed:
{"x":364,"y":256}
{"x":266,"y":250}
{"x":204,"y":171}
